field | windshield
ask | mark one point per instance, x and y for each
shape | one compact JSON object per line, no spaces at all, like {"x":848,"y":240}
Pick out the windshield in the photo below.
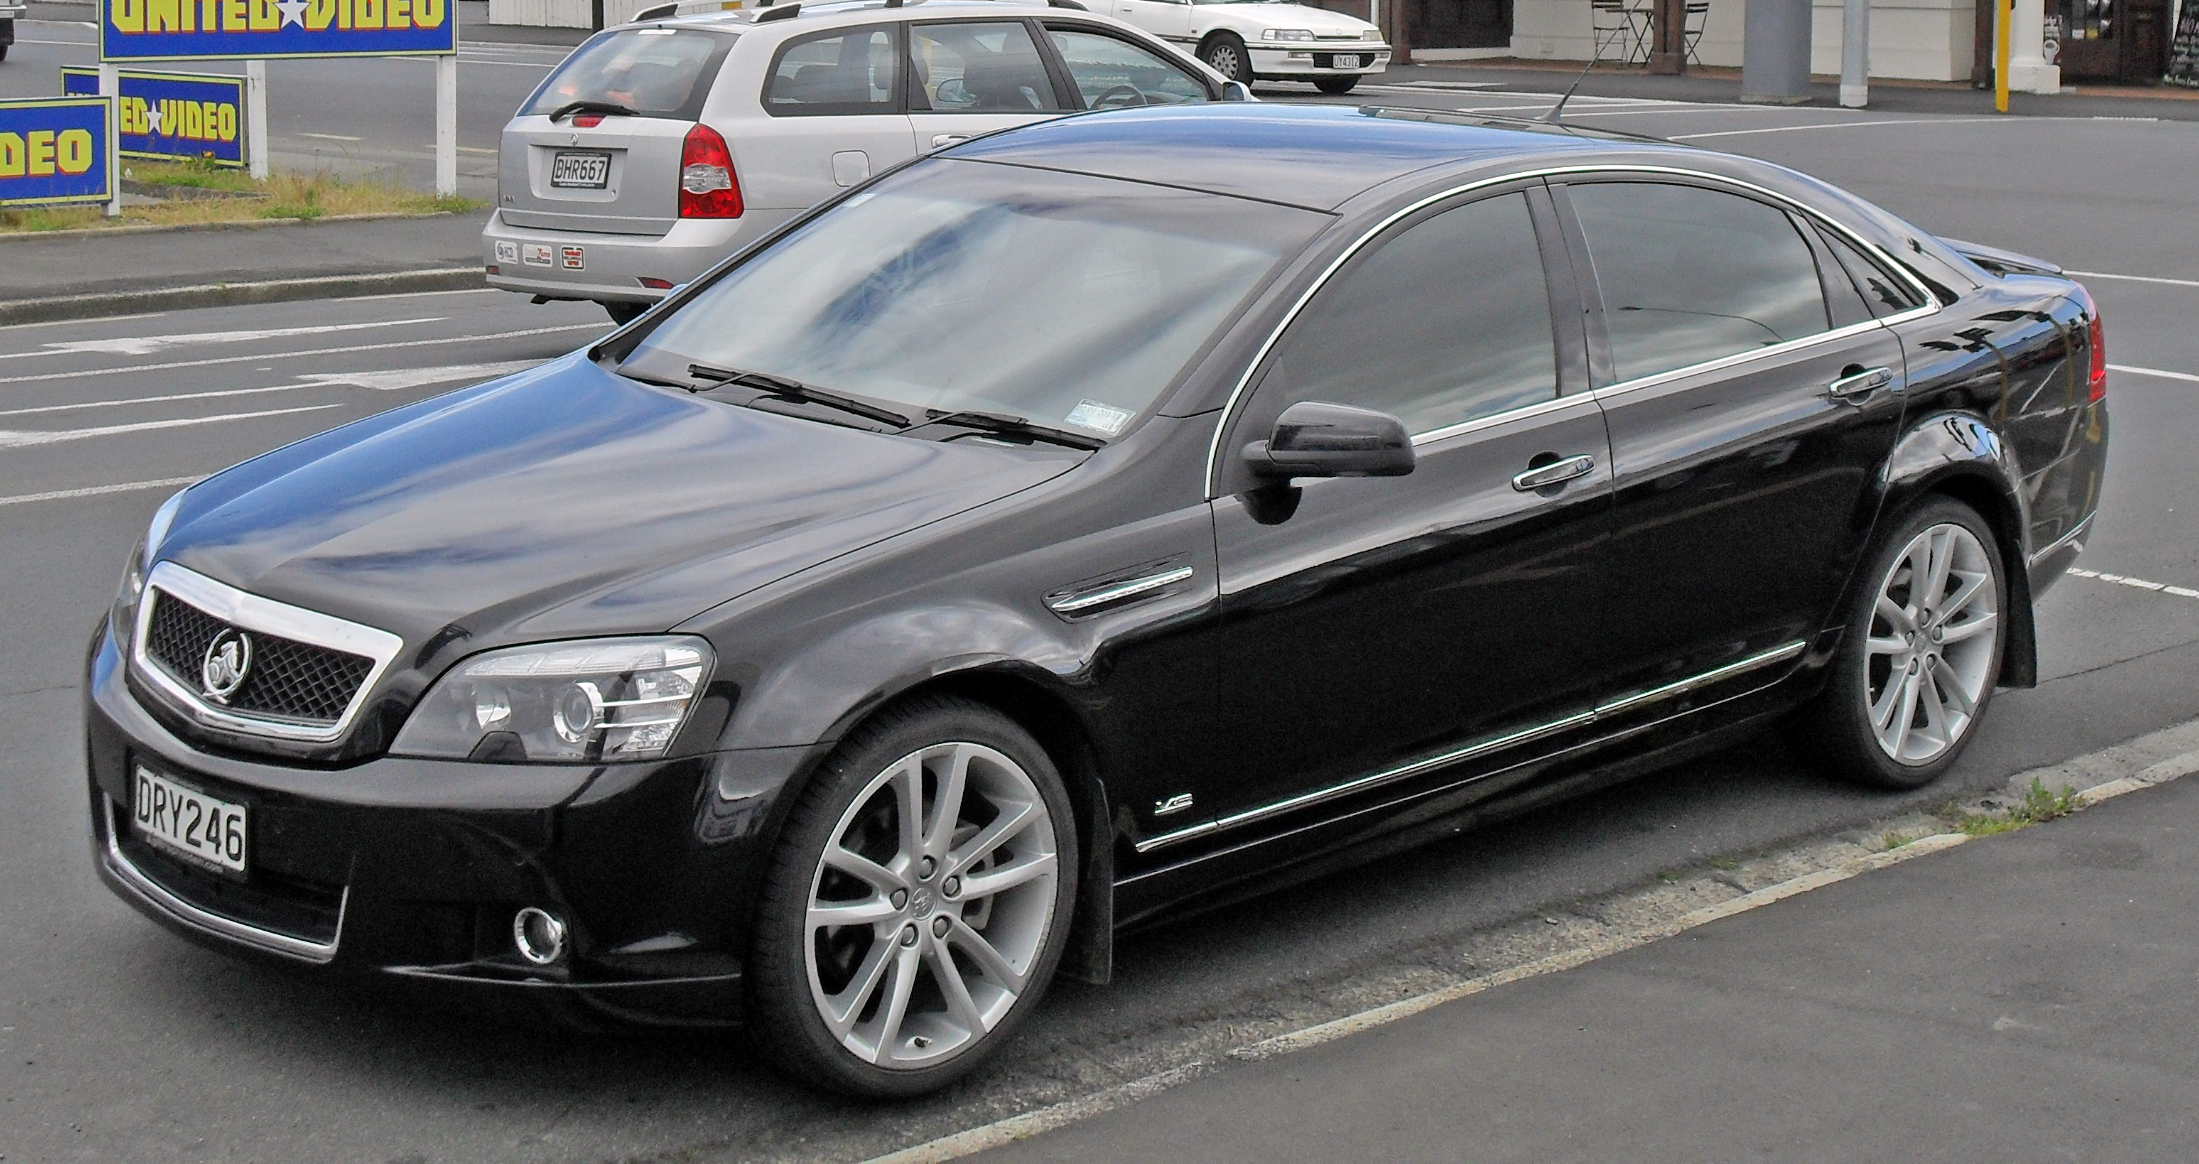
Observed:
{"x":1064,"y":299}
{"x":656,"y":72}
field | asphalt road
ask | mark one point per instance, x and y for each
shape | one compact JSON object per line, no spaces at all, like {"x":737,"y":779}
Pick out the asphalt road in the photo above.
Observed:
{"x":120,"y":1042}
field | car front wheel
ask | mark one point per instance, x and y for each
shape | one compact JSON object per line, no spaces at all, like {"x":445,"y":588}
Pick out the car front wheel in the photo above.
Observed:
{"x":1335,"y":86}
{"x":1226,"y":54}
{"x":917,"y":903}
{"x":1921,"y":654}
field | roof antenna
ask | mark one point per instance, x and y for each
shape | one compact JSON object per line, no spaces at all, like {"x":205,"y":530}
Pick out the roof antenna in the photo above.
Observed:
{"x":1595,"y":54}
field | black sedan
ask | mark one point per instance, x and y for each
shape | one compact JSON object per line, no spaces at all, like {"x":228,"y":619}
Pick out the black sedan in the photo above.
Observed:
{"x":1072,"y":527}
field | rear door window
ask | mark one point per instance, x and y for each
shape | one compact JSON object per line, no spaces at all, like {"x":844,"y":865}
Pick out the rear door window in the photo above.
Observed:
{"x":978,"y":68}
{"x":849,"y":72}
{"x":1113,"y":74}
{"x":1689,"y":275}
{"x":652,"y":72}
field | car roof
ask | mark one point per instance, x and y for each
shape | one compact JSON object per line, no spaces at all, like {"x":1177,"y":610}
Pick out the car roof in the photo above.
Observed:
{"x":845,"y":12}
{"x":1313,"y":156}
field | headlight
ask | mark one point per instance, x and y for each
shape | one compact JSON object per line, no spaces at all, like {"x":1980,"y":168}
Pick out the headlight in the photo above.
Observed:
{"x":1286,"y":34}
{"x":122,"y":620}
{"x":595,"y":699}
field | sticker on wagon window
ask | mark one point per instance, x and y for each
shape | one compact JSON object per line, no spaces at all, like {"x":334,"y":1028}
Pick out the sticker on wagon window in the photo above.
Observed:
{"x":1099,"y":417}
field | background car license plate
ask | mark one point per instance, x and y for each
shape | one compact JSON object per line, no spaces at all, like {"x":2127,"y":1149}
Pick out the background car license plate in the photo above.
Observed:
{"x":1346,"y":61}
{"x":187,"y":821}
{"x":580,"y":170}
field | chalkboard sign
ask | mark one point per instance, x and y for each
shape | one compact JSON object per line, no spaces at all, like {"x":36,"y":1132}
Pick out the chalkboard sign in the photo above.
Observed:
{"x":2183,"y":52}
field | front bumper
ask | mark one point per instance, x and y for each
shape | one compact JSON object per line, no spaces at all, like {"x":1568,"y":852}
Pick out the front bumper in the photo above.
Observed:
{"x":416,"y":867}
{"x":609,"y":268}
{"x":1316,"y":60}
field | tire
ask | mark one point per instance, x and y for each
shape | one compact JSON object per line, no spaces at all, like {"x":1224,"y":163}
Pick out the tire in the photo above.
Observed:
{"x":1866,"y":726}
{"x":625,"y":313}
{"x":865,"y":1005}
{"x":1336,"y":86}
{"x":1225,"y":52}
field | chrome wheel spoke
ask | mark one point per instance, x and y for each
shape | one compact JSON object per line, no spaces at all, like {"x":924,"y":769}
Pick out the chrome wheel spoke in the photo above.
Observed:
{"x":1939,"y":559}
{"x":906,"y":961}
{"x":960,"y":1005}
{"x":1886,"y":646}
{"x":1951,"y":689}
{"x":850,"y":913}
{"x":841,"y":1009}
{"x":1973,"y":584}
{"x":1896,"y":614}
{"x":908,"y":802}
{"x":856,"y":865}
{"x":996,"y":966}
{"x":1013,"y":819}
{"x":947,"y":804}
{"x":1008,"y":876}
{"x":1967,"y":629}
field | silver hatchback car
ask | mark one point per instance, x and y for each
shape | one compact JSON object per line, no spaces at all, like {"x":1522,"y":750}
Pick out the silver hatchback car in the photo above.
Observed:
{"x":659,"y":147}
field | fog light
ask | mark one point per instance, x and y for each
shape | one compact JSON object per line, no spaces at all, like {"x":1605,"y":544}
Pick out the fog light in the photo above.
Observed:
{"x":539,"y":935}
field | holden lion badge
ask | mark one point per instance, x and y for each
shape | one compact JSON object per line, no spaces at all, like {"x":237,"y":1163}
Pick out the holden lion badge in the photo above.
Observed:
{"x":228,"y":657}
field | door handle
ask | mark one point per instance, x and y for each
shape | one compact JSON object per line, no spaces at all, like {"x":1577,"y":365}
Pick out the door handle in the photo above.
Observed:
{"x":947,"y":139}
{"x":1555,"y":473}
{"x":1854,"y":386}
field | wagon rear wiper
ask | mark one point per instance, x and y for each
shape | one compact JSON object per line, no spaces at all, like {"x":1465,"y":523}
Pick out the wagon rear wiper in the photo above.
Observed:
{"x":998,"y":422}
{"x":607,"y":108}
{"x":784,"y":388}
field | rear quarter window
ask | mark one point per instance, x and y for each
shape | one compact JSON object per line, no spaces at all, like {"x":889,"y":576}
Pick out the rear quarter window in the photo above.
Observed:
{"x":848,"y":71}
{"x":656,"y":72}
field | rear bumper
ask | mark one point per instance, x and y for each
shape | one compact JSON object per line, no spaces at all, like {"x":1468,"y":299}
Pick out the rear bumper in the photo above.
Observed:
{"x":609,"y":268}
{"x":1308,"y":62}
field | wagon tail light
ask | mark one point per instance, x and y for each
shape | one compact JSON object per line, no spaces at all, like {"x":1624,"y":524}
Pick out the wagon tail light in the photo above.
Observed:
{"x":2095,"y":337}
{"x":708,"y":188}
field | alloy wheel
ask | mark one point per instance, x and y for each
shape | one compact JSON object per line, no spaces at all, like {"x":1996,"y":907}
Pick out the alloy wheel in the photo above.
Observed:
{"x":1933,"y":639}
{"x":930,"y":905}
{"x":1226,"y":59}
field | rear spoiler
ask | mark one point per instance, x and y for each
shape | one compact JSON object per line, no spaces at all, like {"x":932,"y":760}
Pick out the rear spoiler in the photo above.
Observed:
{"x":2001,"y":262}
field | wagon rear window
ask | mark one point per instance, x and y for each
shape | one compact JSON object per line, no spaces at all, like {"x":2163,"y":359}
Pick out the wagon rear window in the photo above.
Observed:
{"x":656,"y":72}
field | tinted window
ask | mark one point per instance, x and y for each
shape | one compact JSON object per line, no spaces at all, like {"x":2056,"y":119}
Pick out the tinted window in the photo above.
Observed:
{"x":1690,"y":275}
{"x":657,"y":72}
{"x":1446,"y":322}
{"x":847,"y":72}
{"x":987,"y":68}
{"x":1111,"y":74}
{"x":1063,"y":298}
{"x":1885,"y":294}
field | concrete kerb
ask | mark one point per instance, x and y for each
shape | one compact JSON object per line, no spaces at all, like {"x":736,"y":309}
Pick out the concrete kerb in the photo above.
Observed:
{"x":49,"y":308}
{"x":2086,"y":780}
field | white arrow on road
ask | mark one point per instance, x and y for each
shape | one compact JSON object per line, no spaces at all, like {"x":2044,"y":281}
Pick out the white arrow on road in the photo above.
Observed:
{"x":144,"y":345}
{"x":20,"y":438}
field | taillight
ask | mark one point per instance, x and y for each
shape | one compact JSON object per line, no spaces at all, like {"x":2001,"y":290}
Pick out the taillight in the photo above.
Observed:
{"x":708,"y":188}
{"x":2096,"y":386}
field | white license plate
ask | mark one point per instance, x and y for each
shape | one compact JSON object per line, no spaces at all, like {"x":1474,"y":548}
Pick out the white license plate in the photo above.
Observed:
{"x":187,"y":821}
{"x":1346,"y":61}
{"x":580,"y":171}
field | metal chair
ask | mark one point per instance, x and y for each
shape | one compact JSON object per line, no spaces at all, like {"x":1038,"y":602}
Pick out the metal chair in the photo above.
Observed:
{"x":1619,"y":24}
{"x":1691,"y":28}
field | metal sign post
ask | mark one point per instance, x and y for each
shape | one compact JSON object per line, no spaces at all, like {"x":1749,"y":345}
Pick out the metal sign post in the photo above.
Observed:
{"x":110,"y":87}
{"x":446,"y":125}
{"x":2000,"y":54}
{"x":255,"y":116}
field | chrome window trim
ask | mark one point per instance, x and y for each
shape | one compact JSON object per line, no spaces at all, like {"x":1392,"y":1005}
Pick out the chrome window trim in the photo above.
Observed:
{"x":1737,"y":359}
{"x":254,"y":613}
{"x":183,"y":911}
{"x":1412,"y":768}
{"x":1869,"y":248}
{"x":1498,"y":419}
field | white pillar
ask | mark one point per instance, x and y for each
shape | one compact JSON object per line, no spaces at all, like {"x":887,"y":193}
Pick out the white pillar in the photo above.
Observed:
{"x":255,"y":117}
{"x":110,"y":87}
{"x":2028,"y":71}
{"x":446,"y":125}
{"x":1855,"y":54}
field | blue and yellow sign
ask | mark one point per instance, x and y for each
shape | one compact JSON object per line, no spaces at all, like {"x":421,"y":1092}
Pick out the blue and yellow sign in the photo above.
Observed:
{"x":173,"y":116}
{"x":155,"y":30}
{"x":55,"y":150}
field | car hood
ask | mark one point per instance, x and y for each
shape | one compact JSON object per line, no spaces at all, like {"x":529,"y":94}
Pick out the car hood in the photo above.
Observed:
{"x":1319,"y":21}
{"x":568,"y":501}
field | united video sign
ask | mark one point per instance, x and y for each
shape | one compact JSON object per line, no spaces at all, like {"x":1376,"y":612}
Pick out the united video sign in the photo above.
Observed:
{"x":155,"y":30}
{"x":54,"y":150}
{"x":173,"y":116}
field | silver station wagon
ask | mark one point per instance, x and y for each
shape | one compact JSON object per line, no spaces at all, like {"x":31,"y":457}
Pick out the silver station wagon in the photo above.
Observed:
{"x":659,"y":147}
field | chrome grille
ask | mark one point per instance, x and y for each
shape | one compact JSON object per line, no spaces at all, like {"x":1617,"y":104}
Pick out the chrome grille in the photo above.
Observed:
{"x":288,"y":680}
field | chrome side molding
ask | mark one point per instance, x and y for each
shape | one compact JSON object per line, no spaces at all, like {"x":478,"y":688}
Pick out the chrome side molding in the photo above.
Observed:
{"x":1069,"y":603}
{"x":1413,"y":768}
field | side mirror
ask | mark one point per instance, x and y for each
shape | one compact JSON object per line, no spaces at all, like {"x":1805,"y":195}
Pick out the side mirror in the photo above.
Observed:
{"x":1313,"y":439}
{"x":1236,"y":91}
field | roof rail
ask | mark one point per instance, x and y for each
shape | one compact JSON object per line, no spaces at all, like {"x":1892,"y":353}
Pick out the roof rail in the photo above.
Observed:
{"x":657,"y":12}
{"x":772,"y":11}
{"x":1067,"y":4}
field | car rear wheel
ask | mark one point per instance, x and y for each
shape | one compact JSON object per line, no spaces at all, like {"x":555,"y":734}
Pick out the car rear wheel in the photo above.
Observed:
{"x":917,"y":903}
{"x":1226,"y":54}
{"x":1921,"y":654}
{"x":1336,"y":86}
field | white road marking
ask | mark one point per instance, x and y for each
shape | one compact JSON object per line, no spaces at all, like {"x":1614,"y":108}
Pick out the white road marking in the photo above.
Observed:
{"x":454,"y":339}
{"x":2135,"y":371}
{"x":330,"y":136}
{"x":2136,"y":278}
{"x":1981,"y":119}
{"x":16,"y":439}
{"x":2140,"y":583}
{"x":384,"y":381}
{"x":96,"y":490}
{"x":145,"y":345}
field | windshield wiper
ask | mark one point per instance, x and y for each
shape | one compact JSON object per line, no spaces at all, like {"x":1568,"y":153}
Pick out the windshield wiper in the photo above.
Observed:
{"x":998,"y":422}
{"x":785,"y":389}
{"x":607,"y":108}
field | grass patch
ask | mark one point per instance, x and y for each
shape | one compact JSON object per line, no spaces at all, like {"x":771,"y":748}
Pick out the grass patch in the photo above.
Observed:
{"x":2039,"y":805}
{"x":284,"y":194}
{"x":1728,"y":864}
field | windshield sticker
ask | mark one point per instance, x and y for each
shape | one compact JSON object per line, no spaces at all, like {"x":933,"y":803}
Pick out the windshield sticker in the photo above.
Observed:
{"x":1099,"y":417}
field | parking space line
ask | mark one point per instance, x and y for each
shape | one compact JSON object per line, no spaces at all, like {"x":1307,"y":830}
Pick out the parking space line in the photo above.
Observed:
{"x":2135,"y":278}
{"x":2139,"y":583}
{"x":2165,"y":375}
{"x":96,"y":490}
{"x":455,"y":339}
{"x":1981,"y":119}
{"x":26,"y":438}
{"x":384,"y":380}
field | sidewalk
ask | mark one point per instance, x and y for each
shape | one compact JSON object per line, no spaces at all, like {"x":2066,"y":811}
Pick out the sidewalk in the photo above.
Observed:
{"x":2022,"y":997}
